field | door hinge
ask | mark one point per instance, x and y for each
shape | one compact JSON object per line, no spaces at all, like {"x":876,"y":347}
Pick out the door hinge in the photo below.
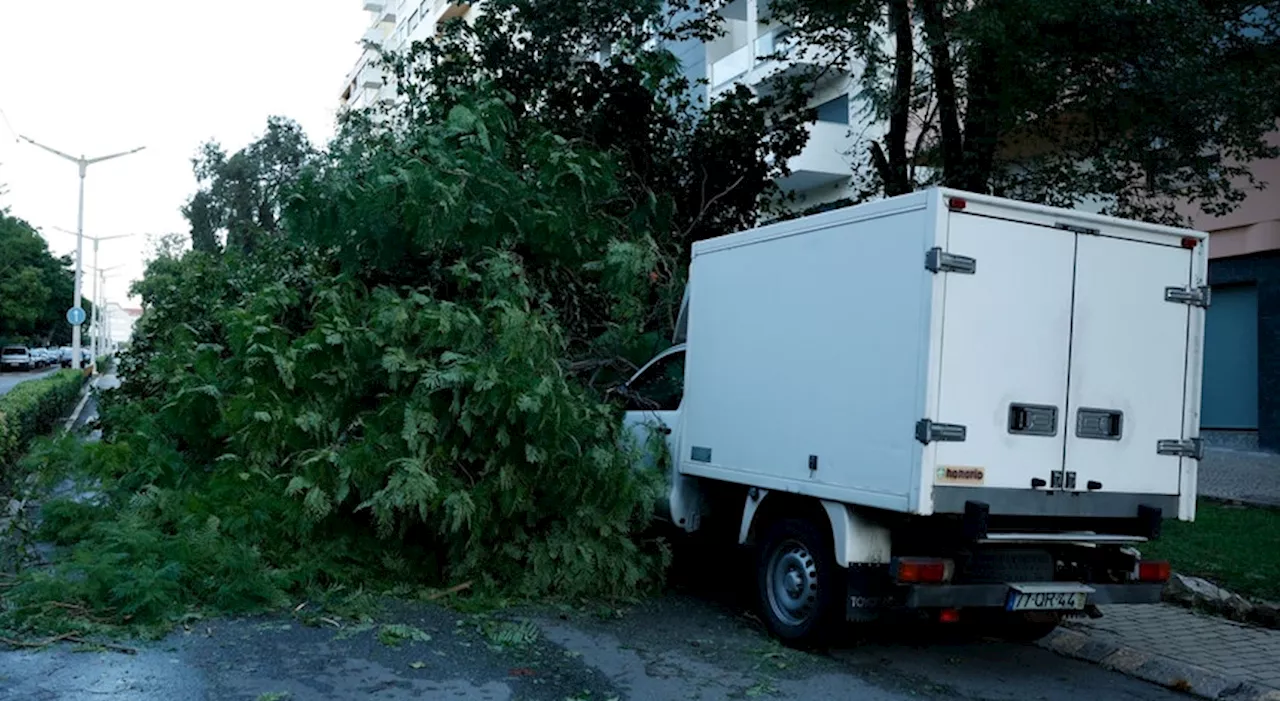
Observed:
{"x":1189,"y":448}
{"x":939,"y":261}
{"x":1195,"y":296}
{"x":928,"y":432}
{"x":1077,"y":229}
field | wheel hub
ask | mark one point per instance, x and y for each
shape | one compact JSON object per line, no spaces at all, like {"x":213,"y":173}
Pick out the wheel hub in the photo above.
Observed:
{"x":792,"y":579}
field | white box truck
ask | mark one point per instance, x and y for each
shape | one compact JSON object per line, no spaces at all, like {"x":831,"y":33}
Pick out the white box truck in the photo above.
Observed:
{"x":941,"y":404}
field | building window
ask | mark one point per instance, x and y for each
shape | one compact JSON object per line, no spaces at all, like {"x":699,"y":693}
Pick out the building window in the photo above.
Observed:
{"x":835,"y":110}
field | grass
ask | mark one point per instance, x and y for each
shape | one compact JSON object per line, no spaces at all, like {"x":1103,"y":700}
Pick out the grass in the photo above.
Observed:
{"x":1233,"y":546}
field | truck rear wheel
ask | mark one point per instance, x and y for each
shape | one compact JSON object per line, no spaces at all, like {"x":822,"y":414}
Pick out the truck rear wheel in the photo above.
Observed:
{"x":799,"y":582}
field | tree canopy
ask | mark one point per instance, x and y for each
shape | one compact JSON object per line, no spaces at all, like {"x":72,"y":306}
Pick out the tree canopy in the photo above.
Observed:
{"x":1141,"y":104}
{"x":239,"y":200}
{"x":36,"y":287}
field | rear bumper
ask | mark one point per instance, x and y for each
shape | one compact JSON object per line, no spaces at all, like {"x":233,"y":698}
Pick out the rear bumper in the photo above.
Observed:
{"x":996,"y":595}
{"x":1045,"y":503}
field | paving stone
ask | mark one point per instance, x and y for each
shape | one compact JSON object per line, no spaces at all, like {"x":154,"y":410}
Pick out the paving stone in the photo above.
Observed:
{"x":1234,"y":474}
{"x":1150,"y":637}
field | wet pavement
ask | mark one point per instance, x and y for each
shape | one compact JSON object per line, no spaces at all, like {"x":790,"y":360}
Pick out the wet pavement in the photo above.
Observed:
{"x":10,"y":379}
{"x":674,"y":647}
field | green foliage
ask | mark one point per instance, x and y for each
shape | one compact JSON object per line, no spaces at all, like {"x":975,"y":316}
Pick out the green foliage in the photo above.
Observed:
{"x":240,"y":195}
{"x":31,"y":409}
{"x":35,"y":287}
{"x":378,"y":397}
{"x":1142,"y":104}
{"x":509,"y":633}
{"x":394,"y":634}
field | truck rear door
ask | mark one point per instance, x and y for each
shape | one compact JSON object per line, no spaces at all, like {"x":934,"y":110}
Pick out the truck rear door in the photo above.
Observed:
{"x":1064,"y":356}
{"x":1006,"y":340}
{"x":1128,"y":365}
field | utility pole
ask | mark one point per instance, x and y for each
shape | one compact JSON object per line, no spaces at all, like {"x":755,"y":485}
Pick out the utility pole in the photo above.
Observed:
{"x":83,"y":164}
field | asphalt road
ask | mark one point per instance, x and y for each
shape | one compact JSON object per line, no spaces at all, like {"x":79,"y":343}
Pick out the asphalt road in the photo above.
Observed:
{"x":10,"y":379}
{"x":678,"y":647}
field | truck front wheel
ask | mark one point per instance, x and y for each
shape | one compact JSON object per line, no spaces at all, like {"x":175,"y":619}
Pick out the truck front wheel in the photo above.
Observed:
{"x":799,"y":582}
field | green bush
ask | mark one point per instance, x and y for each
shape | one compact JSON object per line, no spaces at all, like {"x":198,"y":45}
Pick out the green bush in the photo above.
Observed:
{"x":31,"y":409}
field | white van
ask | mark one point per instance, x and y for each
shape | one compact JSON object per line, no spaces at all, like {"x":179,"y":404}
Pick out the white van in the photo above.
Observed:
{"x":941,"y":404}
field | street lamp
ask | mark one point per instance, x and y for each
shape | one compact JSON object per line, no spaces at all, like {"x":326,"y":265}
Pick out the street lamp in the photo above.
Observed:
{"x":96,"y":325}
{"x":96,"y":313}
{"x":83,"y":163}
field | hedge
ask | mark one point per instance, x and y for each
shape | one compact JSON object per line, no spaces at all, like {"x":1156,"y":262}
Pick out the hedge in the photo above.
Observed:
{"x":31,"y":409}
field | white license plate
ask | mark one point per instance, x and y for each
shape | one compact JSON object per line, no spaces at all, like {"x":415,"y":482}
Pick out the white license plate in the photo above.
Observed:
{"x":1046,"y":601}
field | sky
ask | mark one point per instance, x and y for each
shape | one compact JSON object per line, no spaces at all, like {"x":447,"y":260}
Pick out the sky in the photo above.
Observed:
{"x":94,"y":77}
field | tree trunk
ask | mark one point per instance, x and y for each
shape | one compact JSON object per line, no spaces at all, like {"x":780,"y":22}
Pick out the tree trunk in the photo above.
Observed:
{"x":944,"y":81}
{"x":982,"y":121}
{"x":897,"y":181}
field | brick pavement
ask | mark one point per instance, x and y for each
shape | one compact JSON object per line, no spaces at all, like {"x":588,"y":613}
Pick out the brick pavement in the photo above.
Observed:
{"x":1236,"y":474}
{"x":1240,"y":652}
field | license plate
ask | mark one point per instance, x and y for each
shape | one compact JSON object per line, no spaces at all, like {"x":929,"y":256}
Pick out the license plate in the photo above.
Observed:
{"x":1047,"y":601}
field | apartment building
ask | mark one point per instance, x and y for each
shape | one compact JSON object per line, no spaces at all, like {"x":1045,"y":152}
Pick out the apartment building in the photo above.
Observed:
{"x":393,"y":26}
{"x":756,"y":48}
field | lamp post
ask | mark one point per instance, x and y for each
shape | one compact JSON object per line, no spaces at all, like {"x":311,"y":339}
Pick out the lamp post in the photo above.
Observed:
{"x":96,"y":322}
{"x":83,"y":164}
{"x":97,"y":315}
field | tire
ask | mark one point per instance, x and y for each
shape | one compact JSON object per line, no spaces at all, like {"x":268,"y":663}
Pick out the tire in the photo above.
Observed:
{"x":800,"y":587}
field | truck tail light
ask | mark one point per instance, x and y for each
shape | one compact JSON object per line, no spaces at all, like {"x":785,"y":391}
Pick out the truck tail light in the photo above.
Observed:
{"x":1153,"y":571}
{"x":956,"y":203}
{"x":922,"y":570}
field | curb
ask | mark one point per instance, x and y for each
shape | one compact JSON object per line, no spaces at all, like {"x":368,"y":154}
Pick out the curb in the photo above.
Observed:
{"x":84,"y":399}
{"x":1156,"y":669}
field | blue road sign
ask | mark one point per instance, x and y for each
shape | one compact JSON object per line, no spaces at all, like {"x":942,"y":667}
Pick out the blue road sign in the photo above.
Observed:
{"x":75,"y":316}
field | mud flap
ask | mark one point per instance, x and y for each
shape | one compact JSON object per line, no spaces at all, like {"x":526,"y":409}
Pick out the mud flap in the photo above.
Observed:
{"x":870,"y":592}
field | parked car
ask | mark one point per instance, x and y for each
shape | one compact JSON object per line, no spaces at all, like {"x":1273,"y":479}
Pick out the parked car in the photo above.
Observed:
{"x":16,"y":358}
{"x":812,"y":411}
{"x":42,"y":357}
{"x":64,"y":356}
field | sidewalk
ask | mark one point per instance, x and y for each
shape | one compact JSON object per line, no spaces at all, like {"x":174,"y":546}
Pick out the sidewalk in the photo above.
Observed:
{"x":1249,"y":477}
{"x":1167,"y":644}
{"x":1205,"y":655}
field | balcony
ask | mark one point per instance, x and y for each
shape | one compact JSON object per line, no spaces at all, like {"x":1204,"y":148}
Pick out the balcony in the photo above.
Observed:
{"x":375,"y":5}
{"x":731,"y":67}
{"x":369,"y":77}
{"x":823,"y":160}
{"x":779,"y":54}
{"x":374,"y":35}
{"x":451,"y":9}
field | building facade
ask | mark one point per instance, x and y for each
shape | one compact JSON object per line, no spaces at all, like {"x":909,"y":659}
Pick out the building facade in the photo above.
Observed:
{"x":393,"y":26}
{"x":1241,"y":402}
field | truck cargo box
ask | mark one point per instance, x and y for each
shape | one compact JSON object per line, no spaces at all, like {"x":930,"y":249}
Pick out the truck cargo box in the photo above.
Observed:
{"x":924,"y":351}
